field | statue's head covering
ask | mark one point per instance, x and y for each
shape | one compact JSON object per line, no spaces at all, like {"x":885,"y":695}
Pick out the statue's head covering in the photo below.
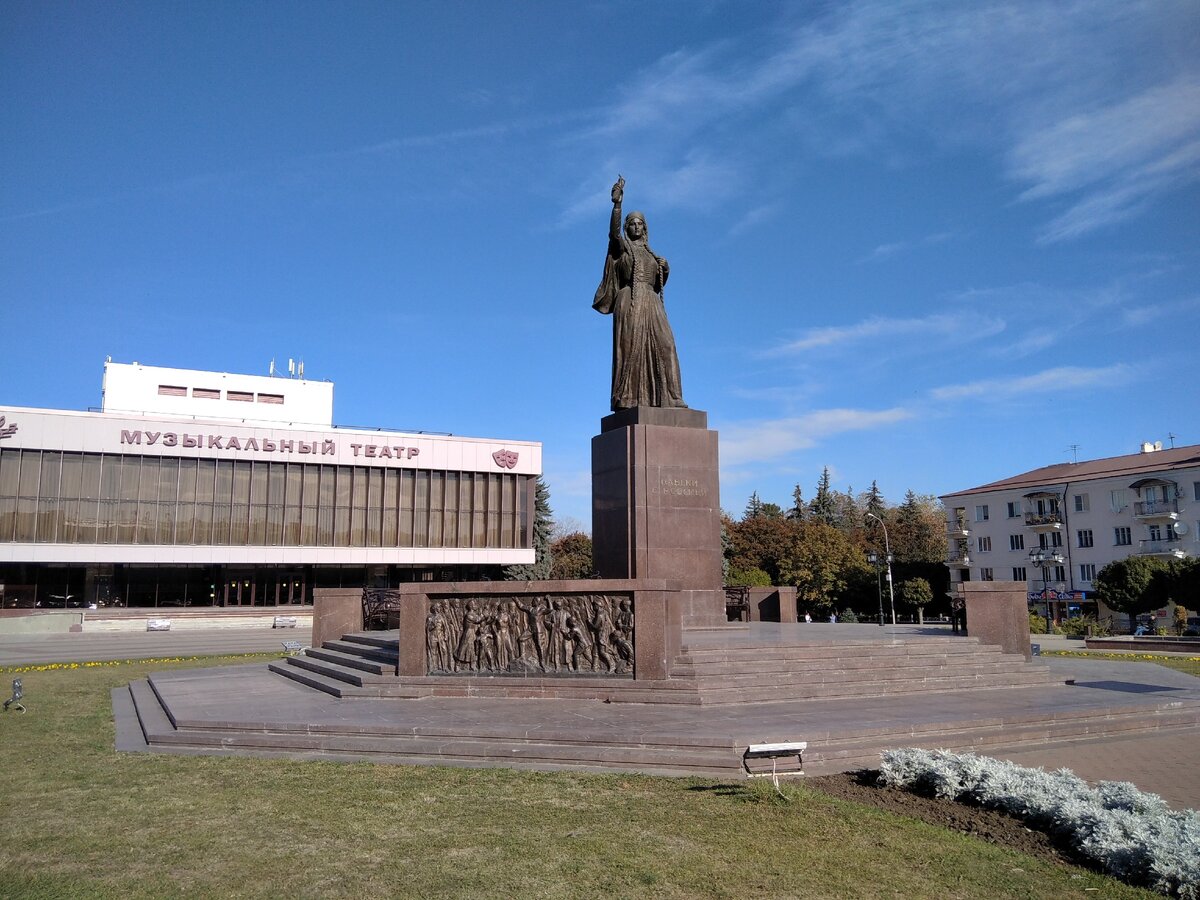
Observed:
{"x":637,"y":214}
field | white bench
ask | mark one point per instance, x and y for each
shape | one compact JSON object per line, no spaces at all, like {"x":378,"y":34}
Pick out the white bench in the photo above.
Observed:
{"x":284,"y":622}
{"x":158,"y":624}
{"x":291,"y":648}
{"x":774,"y":752}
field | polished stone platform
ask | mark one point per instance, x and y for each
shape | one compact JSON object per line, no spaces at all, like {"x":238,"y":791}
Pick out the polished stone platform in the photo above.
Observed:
{"x":250,"y":710}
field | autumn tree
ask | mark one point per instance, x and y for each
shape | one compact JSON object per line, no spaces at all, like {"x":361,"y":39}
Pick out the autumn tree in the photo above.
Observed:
{"x":824,"y":565}
{"x":571,"y":557}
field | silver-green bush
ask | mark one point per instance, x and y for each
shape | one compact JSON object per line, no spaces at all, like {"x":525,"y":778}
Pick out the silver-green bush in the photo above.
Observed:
{"x":1132,"y":835}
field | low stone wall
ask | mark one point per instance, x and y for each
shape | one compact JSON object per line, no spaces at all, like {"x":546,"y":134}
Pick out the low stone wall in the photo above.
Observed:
{"x":998,"y":613}
{"x":772,"y":604}
{"x":657,"y":607}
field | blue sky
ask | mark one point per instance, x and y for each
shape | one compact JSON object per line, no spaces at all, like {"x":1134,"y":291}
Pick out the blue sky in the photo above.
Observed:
{"x":931,"y":244}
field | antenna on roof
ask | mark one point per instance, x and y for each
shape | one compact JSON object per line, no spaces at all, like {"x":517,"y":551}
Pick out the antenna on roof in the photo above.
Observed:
{"x":1074,"y":448}
{"x":1171,"y":438}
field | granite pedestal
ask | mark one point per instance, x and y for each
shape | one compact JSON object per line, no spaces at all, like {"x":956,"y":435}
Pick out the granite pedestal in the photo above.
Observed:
{"x":656,"y":505}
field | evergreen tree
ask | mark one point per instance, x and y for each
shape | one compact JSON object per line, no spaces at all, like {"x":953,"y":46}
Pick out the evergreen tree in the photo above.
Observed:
{"x":771,"y":511}
{"x":543,"y":529}
{"x":823,"y":506}
{"x":799,"y":510}
{"x":873,"y":501}
{"x":753,"y":507}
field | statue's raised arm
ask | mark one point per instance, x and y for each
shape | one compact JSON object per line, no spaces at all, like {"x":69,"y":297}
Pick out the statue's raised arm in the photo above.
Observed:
{"x":645,"y":364}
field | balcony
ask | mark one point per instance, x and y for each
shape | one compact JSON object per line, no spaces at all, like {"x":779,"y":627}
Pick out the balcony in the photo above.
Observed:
{"x":957,"y":530}
{"x":1169,"y":548}
{"x":1044,"y":522}
{"x":1156,"y":510}
{"x":958,"y":559}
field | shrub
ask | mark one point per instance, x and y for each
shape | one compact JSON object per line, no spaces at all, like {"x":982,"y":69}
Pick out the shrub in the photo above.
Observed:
{"x":752,"y":577}
{"x":848,"y":615}
{"x":1131,"y":834}
{"x":1078,"y":627}
{"x":1037,"y":624}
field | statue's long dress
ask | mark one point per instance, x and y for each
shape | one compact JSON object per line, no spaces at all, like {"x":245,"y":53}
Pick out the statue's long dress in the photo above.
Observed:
{"x":645,"y":363}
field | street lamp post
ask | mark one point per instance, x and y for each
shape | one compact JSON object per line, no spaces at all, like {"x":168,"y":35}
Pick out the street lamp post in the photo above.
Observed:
{"x":887,"y":546}
{"x":1042,"y":559}
{"x":873,"y":559}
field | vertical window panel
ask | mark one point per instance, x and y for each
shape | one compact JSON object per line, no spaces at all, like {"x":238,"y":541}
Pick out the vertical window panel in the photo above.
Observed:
{"x":407,"y":489}
{"x":421,"y":510}
{"x":437,"y":502}
{"x":451,"y":510}
{"x":49,"y":508}
{"x":391,"y":508}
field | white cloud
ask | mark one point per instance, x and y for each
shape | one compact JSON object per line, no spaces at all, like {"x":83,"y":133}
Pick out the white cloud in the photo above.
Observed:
{"x":1050,"y":380}
{"x":1090,"y":102}
{"x":743,"y":443}
{"x":965,"y":326}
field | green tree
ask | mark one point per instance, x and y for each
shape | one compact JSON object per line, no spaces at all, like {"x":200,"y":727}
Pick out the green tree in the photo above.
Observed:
{"x":772,"y":511}
{"x":752,"y":577}
{"x":915,"y":594}
{"x":543,"y":527}
{"x":1134,"y":585}
{"x":799,"y":509}
{"x":571,"y":557}
{"x":824,"y":565}
{"x":823,"y":507}
{"x":872,"y":501}
{"x":760,"y":542}
{"x":753,"y":507}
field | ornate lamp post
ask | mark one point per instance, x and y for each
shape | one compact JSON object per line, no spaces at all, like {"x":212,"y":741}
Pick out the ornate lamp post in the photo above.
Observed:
{"x":887,"y":546}
{"x":1043,"y":558}
{"x":873,"y":559}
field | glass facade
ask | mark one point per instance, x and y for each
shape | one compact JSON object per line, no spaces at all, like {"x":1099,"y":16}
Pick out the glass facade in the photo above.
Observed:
{"x":48,"y":496}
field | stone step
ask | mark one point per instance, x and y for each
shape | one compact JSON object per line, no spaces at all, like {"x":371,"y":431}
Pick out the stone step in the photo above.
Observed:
{"x":831,"y":750}
{"x":851,"y":676}
{"x":386,"y":640}
{"x":349,"y":674}
{"x":849,"y":752}
{"x":862,"y":663}
{"x":818,"y":654}
{"x":373,"y":652}
{"x":351,"y":660}
{"x":864,"y":689}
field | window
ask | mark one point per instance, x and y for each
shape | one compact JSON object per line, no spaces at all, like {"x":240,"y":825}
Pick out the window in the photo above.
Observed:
{"x":1085,"y":537}
{"x":206,"y":394}
{"x":985,"y":544}
{"x":1117,"y":500}
{"x":1014,"y":509}
{"x":1060,"y":573}
{"x":1019,"y":574}
{"x":172,"y":390}
{"x":1155,"y":533}
{"x":1122,"y":536}
{"x":986,"y":575}
{"x":1196,"y":490}
{"x":1087,"y":571}
{"x":270,"y":398}
{"x":1081,"y":503}
{"x":1016,"y":542}
{"x":240,"y":396}
{"x":981,"y":513}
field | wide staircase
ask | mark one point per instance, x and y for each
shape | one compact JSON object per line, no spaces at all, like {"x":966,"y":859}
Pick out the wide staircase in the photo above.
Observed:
{"x":713,"y":667}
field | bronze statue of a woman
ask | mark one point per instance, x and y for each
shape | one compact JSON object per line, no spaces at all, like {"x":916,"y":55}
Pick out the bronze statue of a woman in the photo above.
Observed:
{"x":645,"y":368}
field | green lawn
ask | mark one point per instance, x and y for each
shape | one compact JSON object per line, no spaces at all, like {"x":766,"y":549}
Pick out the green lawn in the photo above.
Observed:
{"x":1187,"y":664}
{"x":77,"y":819}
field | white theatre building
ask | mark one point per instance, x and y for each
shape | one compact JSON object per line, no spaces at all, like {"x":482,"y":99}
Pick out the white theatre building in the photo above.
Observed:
{"x":1055,"y":527}
{"x":193,"y":488}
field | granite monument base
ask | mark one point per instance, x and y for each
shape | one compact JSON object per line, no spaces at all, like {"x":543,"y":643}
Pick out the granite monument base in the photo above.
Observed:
{"x":656,"y":506}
